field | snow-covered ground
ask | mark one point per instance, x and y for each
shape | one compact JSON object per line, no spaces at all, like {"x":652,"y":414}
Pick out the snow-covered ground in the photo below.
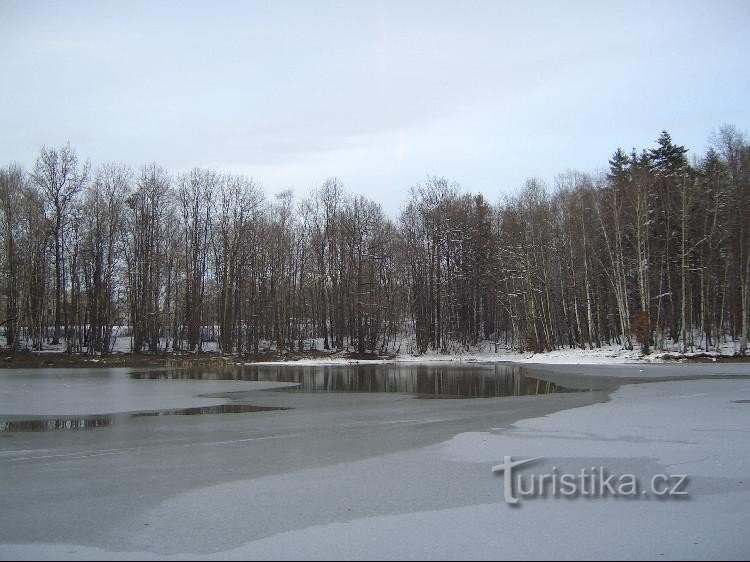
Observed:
{"x":402,"y":350}
{"x":602,"y":356}
{"x":376,"y":476}
{"x":606,"y":355}
{"x":489,"y":352}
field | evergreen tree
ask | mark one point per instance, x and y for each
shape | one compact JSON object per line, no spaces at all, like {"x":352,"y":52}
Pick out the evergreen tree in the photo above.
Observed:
{"x":619,"y":167}
{"x":668,"y":159}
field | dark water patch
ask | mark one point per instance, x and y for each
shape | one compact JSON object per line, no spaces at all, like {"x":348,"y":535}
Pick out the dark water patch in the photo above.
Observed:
{"x":66,"y":423}
{"x":202,"y":410}
{"x":741,"y":401}
{"x":424,"y":381}
{"x":72,"y":423}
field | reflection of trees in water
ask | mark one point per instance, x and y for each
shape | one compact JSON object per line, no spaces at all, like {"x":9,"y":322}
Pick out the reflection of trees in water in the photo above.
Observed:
{"x":56,"y":424}
{"x":419,"y":380}
{"x":68,"y":423}
{"x":423,"y":380}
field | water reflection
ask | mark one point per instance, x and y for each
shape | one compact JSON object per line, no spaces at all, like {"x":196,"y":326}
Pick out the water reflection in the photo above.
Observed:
{"x":425,"y":381}
{"x":56,"y":424}
{"x":67,"y":423}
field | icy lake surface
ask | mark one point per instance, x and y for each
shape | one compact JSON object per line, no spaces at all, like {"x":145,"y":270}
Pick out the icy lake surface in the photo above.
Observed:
{"x":350,"y":461}
{"x":71,"y":399}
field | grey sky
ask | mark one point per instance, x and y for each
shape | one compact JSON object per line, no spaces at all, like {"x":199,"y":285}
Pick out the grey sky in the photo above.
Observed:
{"x":379,"y":94}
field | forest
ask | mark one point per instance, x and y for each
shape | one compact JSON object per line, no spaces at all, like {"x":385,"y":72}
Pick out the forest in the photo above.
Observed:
{"x":653,"y":253}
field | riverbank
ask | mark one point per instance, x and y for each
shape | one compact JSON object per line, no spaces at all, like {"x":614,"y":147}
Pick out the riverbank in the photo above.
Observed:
{"x":600,"y":356}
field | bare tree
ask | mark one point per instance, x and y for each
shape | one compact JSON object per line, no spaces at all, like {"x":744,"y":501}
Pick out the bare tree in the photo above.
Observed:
{"x":60,"y":177}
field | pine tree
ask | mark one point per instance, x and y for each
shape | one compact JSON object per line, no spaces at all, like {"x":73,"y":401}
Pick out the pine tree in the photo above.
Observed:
{"x":668,"y":159}
{"x":619,"y":167}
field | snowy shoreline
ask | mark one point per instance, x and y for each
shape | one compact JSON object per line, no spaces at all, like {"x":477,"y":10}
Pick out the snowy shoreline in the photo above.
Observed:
{"x":608,"y":355}
{"x":602,"y":356}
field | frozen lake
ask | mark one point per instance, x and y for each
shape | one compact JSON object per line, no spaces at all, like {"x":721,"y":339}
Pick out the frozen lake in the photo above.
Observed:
{"x":72,"y":399}
{"x":353,"y":461}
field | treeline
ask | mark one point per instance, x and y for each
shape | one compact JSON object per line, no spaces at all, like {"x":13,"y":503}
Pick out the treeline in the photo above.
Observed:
{"x":655,"y":253}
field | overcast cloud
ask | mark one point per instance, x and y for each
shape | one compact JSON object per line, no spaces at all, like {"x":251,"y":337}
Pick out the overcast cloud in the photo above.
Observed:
{"x":379,"y":94}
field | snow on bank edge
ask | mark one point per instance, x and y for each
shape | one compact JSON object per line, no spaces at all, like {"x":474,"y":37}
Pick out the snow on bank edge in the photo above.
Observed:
{"x":607,"y":355}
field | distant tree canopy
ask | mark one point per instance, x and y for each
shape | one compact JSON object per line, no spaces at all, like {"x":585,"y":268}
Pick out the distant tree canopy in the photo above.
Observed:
{"x":656,"y":252}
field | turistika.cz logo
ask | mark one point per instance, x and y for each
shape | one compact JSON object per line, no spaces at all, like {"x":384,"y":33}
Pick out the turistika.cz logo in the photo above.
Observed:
{"x":591,"y":482}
